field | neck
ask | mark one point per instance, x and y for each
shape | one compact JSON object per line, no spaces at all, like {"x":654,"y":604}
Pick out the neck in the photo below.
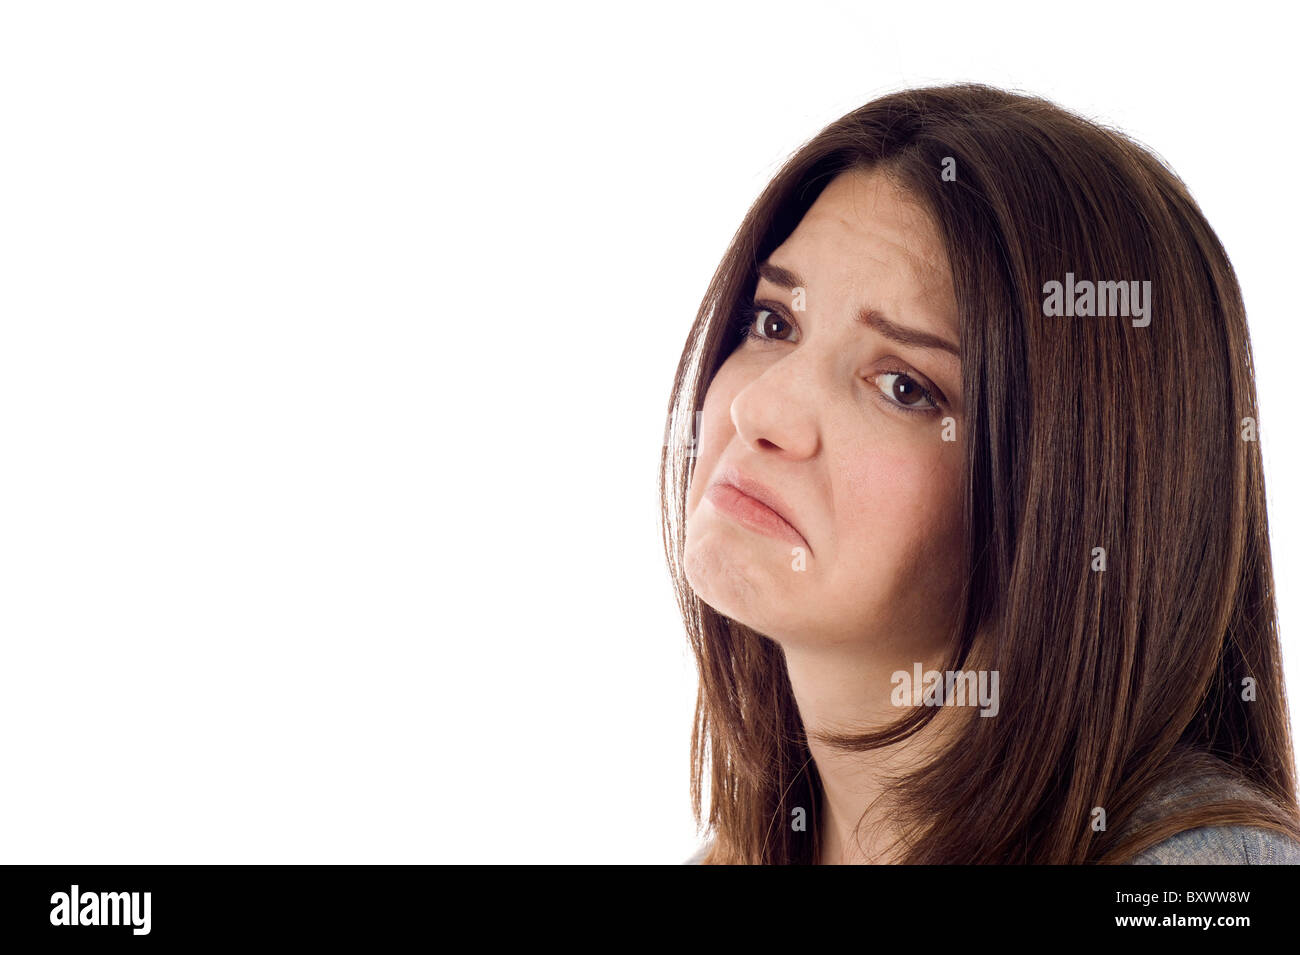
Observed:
{"x":850,"y":690}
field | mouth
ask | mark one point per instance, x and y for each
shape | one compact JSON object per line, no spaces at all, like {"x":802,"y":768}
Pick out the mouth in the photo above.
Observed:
{"x":754,"y":506}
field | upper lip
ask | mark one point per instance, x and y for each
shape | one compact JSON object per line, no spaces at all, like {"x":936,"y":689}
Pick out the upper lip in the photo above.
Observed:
{"x":760,"y":492}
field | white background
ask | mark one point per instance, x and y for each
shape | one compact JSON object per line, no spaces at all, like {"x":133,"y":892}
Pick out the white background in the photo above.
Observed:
{"x":337,"y":342}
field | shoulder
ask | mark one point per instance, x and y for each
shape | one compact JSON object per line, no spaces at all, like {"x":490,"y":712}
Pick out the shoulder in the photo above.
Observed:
{"x":1223,"y":845}
{"x":1211,"y":845}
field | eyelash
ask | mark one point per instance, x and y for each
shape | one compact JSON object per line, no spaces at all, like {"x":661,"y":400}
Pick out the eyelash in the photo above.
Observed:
{"x":744,"y":329}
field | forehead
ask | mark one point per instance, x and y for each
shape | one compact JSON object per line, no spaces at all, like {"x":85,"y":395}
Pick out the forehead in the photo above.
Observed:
{"x":864,"y":233}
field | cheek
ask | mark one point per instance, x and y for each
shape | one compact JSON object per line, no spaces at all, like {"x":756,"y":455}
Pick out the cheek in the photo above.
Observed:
{"x":713,"y":431}
{"x":901,"y":508}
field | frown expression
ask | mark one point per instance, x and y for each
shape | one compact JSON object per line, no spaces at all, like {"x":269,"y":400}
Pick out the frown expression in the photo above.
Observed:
{"x":838,"y":404}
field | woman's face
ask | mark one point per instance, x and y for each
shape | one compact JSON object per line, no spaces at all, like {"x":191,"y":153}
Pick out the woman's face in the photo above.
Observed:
{"x":829,"y":413}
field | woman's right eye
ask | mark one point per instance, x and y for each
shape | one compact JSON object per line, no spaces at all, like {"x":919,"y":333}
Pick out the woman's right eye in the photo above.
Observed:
{"x":763,"y":324}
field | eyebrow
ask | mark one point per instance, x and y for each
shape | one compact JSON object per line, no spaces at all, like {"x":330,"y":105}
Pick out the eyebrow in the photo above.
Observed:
{"x":869,"y":317}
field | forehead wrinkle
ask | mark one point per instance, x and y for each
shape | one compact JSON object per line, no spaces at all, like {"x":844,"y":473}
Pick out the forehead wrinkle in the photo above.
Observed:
{"x":918,"y":272}
{"x":900,"y":246}
{"x":909,"y":216}
{"x":891,"y":234}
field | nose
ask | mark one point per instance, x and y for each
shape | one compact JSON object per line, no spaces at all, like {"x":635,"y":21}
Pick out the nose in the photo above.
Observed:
{"x":773,"y":412}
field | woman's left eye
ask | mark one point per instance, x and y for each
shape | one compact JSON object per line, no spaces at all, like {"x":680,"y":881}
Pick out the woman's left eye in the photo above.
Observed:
{"x":905,"y":392}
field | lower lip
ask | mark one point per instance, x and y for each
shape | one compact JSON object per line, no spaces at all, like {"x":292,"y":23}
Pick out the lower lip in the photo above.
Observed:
{"x":753,"y":514}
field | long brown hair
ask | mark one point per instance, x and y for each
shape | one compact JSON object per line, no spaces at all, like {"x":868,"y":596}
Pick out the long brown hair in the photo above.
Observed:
{"x":1081,"y":433}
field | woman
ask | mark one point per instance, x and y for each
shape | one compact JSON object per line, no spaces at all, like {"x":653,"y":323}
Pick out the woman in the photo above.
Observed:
{"x":965,"y":509}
